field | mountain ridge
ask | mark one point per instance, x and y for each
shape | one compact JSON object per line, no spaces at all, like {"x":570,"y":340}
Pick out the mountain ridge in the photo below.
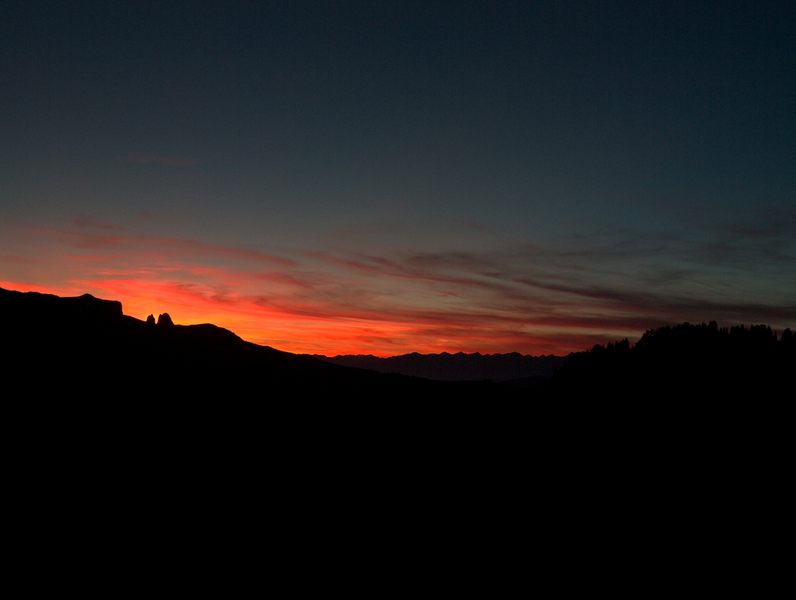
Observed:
{"x":459,"y":366}
{"x":87,"y":342}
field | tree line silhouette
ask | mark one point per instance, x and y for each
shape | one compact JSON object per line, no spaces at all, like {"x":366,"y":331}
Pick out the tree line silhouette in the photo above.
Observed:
{"x":685,"y":359}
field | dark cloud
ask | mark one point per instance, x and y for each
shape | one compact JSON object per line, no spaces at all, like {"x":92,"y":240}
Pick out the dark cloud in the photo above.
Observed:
{"x":567,"y":289}
{"x":152,"y":244}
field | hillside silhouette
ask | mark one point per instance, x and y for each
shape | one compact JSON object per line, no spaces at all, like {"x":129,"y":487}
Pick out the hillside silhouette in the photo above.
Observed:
{"x":88,"y":346}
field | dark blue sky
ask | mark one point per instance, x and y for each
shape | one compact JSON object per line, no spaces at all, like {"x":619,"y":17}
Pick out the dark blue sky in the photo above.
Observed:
{"x":639,"y":152}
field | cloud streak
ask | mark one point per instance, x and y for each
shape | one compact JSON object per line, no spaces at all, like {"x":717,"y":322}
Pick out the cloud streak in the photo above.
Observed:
{"x":530,"y":298}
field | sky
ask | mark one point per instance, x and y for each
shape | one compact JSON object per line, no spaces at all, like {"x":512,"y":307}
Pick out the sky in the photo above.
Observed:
{"x":387,"y":177}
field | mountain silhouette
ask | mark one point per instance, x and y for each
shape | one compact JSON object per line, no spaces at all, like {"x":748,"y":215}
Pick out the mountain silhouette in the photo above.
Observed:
{"x":89,"y":345}
{"x":86,"y":345}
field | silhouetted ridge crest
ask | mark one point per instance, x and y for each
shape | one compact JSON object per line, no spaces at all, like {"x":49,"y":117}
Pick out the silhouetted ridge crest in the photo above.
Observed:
{"x":89,"y":346}
{"x":36,"y":307}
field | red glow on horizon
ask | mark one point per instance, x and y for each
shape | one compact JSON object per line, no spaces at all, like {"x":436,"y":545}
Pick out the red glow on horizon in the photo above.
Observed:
{"x":299,"y":333}
{"x":319,"y":302}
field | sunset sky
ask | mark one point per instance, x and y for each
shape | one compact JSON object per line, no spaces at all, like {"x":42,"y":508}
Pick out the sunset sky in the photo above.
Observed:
{"x":387,"y":177}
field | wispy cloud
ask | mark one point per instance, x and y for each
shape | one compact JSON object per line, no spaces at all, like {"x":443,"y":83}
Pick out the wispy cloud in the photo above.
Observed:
{"x":153,"y":244}
{"x":532,"y":298}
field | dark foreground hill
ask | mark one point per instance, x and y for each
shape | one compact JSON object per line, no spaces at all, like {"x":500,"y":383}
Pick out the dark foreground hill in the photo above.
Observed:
{"x":77,"y":373}
{"x":190,"y":425}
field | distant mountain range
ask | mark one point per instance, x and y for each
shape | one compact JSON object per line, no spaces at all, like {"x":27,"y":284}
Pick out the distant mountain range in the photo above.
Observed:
{"x":512,"y":367}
